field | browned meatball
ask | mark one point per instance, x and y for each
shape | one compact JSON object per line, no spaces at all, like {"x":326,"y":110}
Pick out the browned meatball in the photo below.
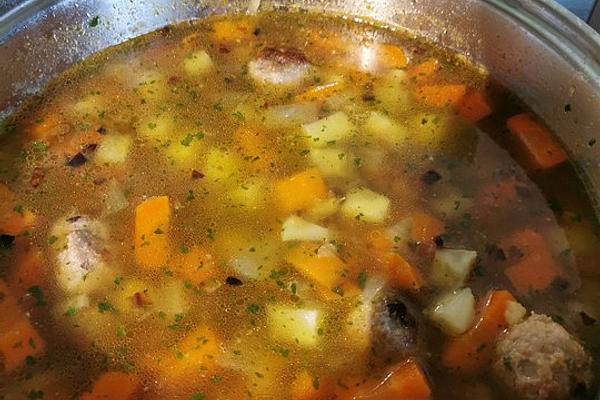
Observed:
{"x":279,"y":66}
{"x":538,"y":359}
{"x":396,"y":328}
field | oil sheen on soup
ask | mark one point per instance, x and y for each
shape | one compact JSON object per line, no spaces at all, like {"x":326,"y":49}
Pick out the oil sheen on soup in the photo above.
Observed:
{"x":290,"y":206}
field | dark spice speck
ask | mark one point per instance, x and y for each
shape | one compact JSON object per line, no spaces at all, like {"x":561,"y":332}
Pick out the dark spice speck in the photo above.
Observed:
{"x":233,"y":281}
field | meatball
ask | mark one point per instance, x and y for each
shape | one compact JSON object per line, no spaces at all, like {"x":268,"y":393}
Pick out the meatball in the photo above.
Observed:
{"x":395,"y":328}
{"x":80,"y":244}
{"x":279,"y":66}
{"x":538,"y":359}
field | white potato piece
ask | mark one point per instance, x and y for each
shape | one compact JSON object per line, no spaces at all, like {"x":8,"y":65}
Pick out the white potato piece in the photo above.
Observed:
{"x":221,"y":165}
{"x":365,"y":205}
{"x":328,"y":130}
{"x":115,"y":199}
{"x":291,"y":115}
{"x":185,"y":156}
{"x":114,"y":149}
{"x":332,"y":162}
{"x":382,"y":127}
{"x":323,"y":209}
{"x":160,"y":128}
{"x":197,"y":63}
{"x":454,"y":312}
{"x":514,"y":313}
{"x":451,"y":267}
{"x":294,"y":325}
{"x":250,"y":195}
{"x":295,"y":228}
{"x":89,"y":106}
{"x":392,"y":91}
{"x":150,"y":85}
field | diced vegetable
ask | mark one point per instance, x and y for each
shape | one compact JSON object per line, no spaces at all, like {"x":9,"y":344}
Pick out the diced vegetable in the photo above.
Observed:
{"x":300,"y":191}
{"x":406,"y":381}
{"x":295,"y":228}
{"x":133,"y":295}
{"x":184,"y":154}
{"x":424,"y":71}
{"x":474,"y":107}
{"x":197,"y":63}
{"x":18,"y":337}
{"x":294,"y":325}
{"x":160,"y":128}
{"x":365,"y":205}
{"x":514,"y":313}
{"x":324,"y":269}
{"x":27,"y":272}
{"x":291,"y":115}
{"x":402,"y":274}
{"x":471,"y":351}
{"x":452,"y":267}
{"x":220,"y":165}
{"x":392,"y":91}
{"x":373,"y":58}
{"x":331,"y":129}
{"x":323,"y":209}
{"x":195,"y":354}
{"x":230,"y":31}
{"x":321,"y":92}
{"x":381,"y":127}
{"x":89,"y":107}
{"x":400,"y":233}
{"x":425,"y":228}
{"x":115,"y":199}
{"x":114,"y":386}
{"x":541,"y":148}
{"x":332,"y":162}
{"x":152,"y":220}
{"x":303,"y":387}
{"x":150,"y":85}
{"x":439,"y":96}
{"x":113,"y":149}
{"x":196,"y":265}
{"x":249,"y":195}
{"x":255,"y":147}
{"x":454,"y":312}
{"x":536,"y":269}
{"x":429,"y":129}
{"x":15,"y":222}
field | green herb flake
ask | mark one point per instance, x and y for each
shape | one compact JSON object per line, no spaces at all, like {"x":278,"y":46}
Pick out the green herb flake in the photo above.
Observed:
{"x":190,"y":196}
{"x":315,"y":382}
{"x":38,"y":295}
{"x":362,"y":279}
{"x":35,"y":394}
{"x":507,"y":362}
{"x":198,"y":396}
{"x":121,"y":332}
{"x":187,"y":140}
{"x":293,"y":288}
{"x":105,"y":306}
{"x":52,"y":239}
{"x":71,"y":312}
{"x":253,"y":308}
{"x":239,"y":115}
{"x":92,"y":23}
{"x":117,"y":281}
{"x":158,"y":231}
{"x":184,"y":249}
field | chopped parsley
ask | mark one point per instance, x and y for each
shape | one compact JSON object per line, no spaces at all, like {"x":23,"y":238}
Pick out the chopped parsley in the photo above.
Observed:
{"x":92,"y":23}
{"x":38,"y":295}
{"x":362,"y":279}
{"x":105,"y":306}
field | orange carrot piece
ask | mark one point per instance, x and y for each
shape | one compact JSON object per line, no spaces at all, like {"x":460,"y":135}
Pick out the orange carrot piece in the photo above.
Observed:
{"x":255,"y":147}
{"x":20,"y":342}
{"x":196,"y":266}
{"x":152,"y":218}
{"x":406,"y":381}
{"x":425,"y":228}
{"x":379,"y":242}
{"x":113,"y":386}
{"x":195,"y":353}
{"x":541,"y":148}
{"x":474,"y":107}
{"x":320,"y":92}
{"x":46,"y":128}
{"x":497,"y":195}
{"x":470,"y":352}
{"x":300,"y":191}
{"x":304,"y":387}
{"x":27,"y":272}
{"x":424,"y":71}
{"x":439,"y":96}
{"x":390,"y":56}
{"x":325,"y":270}
{"x":328,"y":41}
{"x":403,"y":275}
{"x":232,"y":31}
{"x":15,"y":223}
{"x":536,"y":269}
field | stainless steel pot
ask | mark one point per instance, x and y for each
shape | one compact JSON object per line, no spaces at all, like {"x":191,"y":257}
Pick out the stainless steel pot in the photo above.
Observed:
{"x":535,"y":47}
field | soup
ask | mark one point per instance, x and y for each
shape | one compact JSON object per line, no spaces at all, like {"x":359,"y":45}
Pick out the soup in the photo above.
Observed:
{"x":290,"y":206}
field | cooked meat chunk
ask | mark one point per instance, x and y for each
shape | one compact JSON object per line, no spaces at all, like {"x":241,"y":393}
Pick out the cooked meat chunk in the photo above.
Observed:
{"x":80,"y":244}
{"x":279,"y":66}
{"x":396,"y":328}
{"x":538,"y":359}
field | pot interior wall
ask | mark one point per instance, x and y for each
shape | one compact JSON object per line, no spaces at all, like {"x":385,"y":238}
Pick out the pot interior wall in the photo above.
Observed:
{"x":549,"y":64}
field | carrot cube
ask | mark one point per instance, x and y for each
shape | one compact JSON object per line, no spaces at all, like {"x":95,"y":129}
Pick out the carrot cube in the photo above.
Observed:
{"x":152,"y":218}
